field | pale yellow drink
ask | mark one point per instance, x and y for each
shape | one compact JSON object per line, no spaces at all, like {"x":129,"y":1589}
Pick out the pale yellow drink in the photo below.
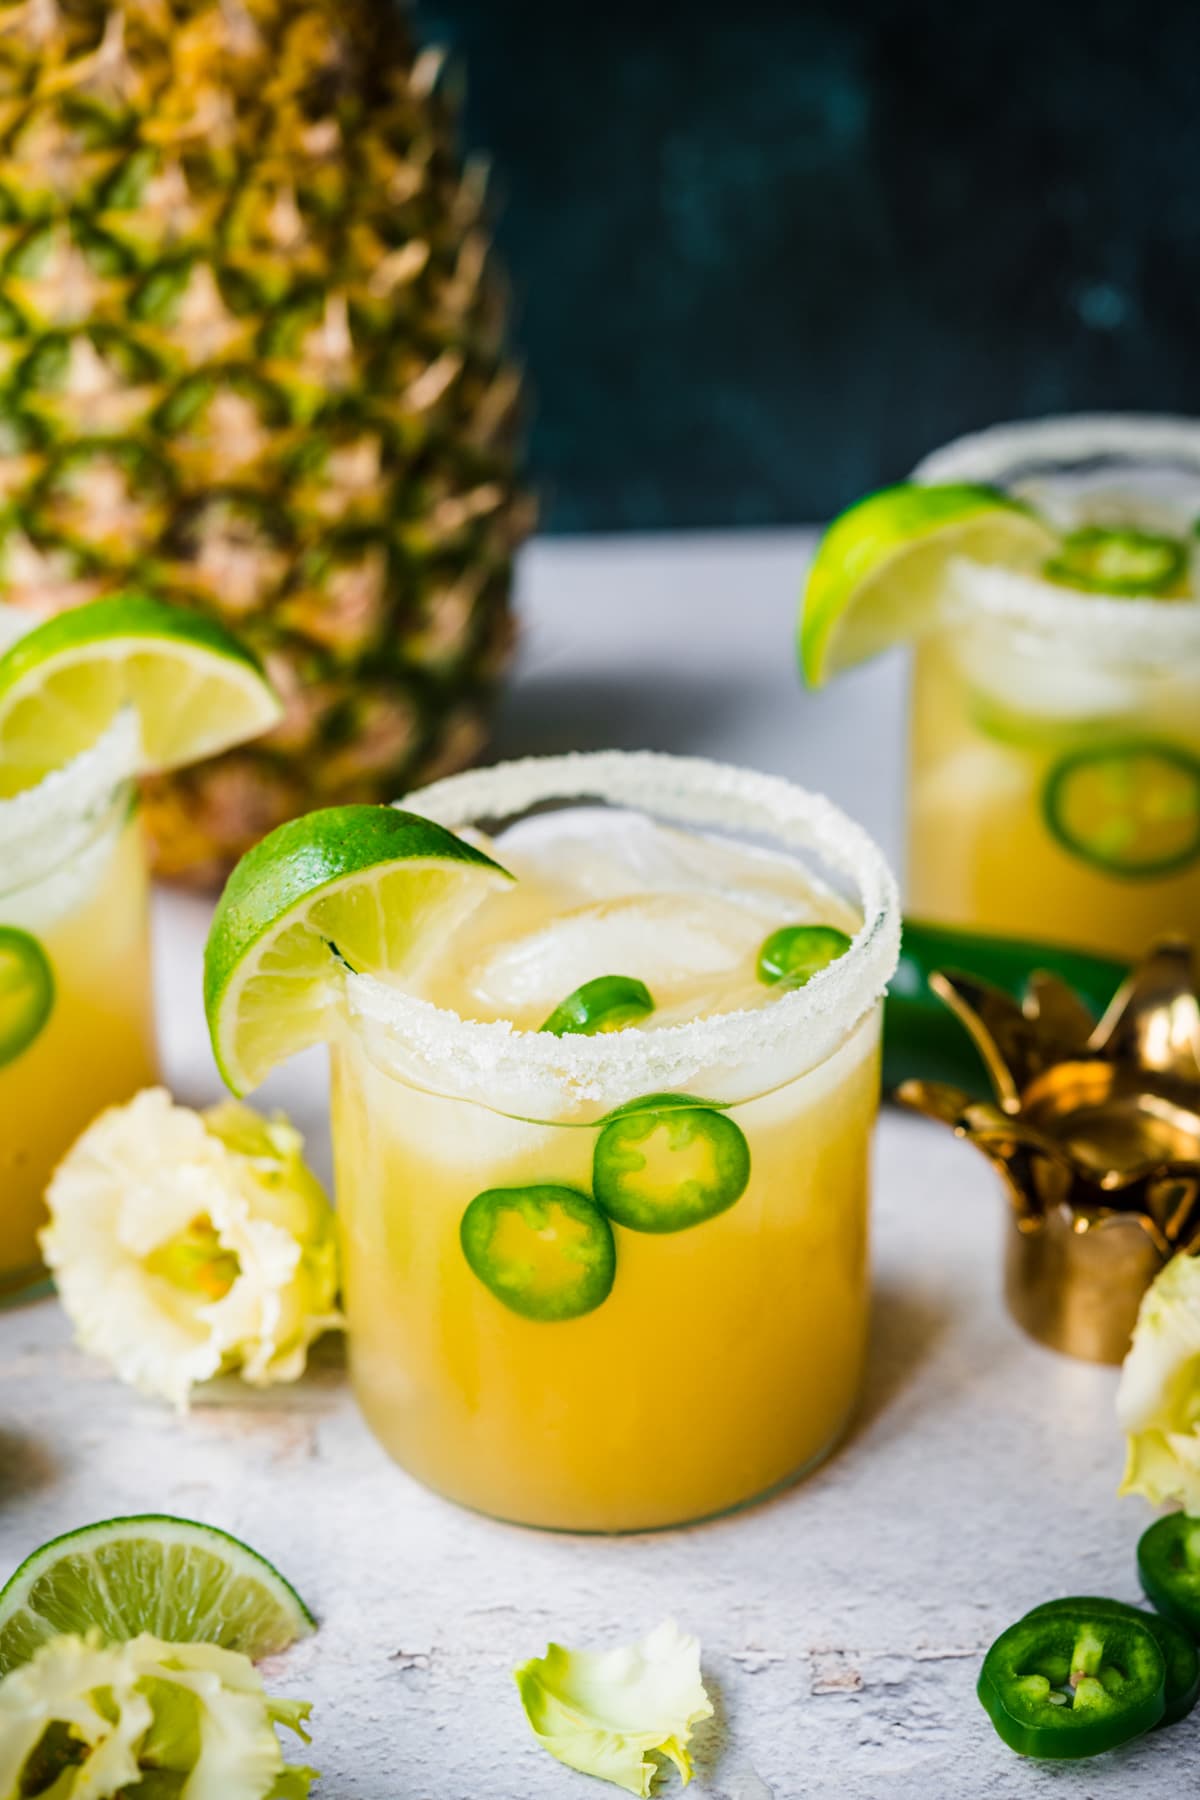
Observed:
{"x":1055,"y":739}
{"x":81,"y":895}
{"x":727,"y":1355}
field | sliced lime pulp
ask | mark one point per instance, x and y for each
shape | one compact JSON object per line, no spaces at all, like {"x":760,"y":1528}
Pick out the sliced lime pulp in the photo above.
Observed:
{"x":195,"y":688}
{"x":181,"y":1581}
{"x":879,"y":572}
{"x":360,"y":887}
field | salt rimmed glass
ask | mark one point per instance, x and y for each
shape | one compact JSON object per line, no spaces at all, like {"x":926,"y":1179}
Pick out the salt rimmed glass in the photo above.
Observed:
{"x":76,"y":1029}
{"x":727,"y":1357}
{"x":1055,"y":743}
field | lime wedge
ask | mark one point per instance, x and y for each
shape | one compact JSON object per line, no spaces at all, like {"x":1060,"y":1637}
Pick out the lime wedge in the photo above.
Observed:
{"x":186,"y":1583}
{"x":878,"y":572}
{"x":195,"y":688}
{"x":354,"y":886}
{"x":26,"y":991}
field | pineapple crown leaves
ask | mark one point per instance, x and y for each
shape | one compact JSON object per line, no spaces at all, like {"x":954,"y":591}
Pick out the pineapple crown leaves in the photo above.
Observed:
{"x":1101,"y":1117}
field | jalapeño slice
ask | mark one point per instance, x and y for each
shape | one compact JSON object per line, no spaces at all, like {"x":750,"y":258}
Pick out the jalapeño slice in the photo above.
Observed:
{"x":608,"y":1003}
{"x":1179,"y":1650}
{"x":546,"y":1253}
{"x":795,"y":953}
{"x":1119,"y":562}
{"x":1131,"y":809}
{"x":26,"y":991}
{"x":1169,"y":1565}
{"x":670,"y":1168}
{"x":1065,"y":1685}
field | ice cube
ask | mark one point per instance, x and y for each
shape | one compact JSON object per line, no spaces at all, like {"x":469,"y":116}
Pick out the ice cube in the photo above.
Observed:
{"x":675,"y":943}
{"x":599,"y":852}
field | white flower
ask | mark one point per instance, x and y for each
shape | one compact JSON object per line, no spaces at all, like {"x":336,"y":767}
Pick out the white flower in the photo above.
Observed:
{"x":85,"y":1720}
{"x":607,"y":1712}
{"x":187,"y":1245}
{"x":1158,"y":1400}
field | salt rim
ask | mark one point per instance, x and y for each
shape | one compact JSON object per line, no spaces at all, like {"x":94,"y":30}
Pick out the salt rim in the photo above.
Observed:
{"x":1095,"y":628}
{"x":1137,"y":630}
{"x":44,"y":825}
{"x":733,"y":1051}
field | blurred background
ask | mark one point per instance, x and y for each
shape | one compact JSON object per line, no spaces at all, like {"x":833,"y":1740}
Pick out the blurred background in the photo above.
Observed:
{"x":767,"y":255}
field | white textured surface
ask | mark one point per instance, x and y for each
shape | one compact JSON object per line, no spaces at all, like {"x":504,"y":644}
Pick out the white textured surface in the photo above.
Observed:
{"x":842,"y":1623}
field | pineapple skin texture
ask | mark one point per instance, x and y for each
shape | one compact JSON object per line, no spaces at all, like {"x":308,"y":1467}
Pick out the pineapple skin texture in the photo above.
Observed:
{"x":252,"y":360}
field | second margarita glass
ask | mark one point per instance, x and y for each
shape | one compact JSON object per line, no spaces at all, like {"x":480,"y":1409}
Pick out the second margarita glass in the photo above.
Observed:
{"x":620,"y":1281}
{"x":76,"y":1025}
{"x":1055,"y":751}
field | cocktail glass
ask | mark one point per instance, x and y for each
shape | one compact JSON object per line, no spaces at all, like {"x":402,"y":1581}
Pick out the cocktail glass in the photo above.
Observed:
{"x":726,"y":1355}
{"x":1055,"y":747}
{"x":76,"y":1028}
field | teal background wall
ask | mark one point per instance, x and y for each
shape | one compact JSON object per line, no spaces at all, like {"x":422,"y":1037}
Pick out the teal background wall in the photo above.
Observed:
{"x":766,"y":255}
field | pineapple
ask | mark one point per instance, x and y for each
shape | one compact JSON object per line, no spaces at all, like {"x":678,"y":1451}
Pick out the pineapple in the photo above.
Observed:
{"x":251,"y":359}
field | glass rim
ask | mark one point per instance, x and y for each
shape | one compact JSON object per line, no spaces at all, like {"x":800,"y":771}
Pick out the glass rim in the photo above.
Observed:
{"x":1143,"y":631}
{"x":811,"y":1022}
{"x":39,"y":826}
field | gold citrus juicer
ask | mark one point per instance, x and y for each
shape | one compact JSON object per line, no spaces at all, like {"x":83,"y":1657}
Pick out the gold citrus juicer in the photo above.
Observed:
{"x":1095,"y":1130}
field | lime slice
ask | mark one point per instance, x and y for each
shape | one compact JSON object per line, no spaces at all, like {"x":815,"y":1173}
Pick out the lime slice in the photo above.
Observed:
{"x":354,"y":886}
{"x":26,"y":991}
{"x":186,"y":1583}
{"x":878,"y":573}
{"x":1131,"y":809}
{"x":195,"y":688}
{"x":1121,"y":562}
{"x":608,"y":1003}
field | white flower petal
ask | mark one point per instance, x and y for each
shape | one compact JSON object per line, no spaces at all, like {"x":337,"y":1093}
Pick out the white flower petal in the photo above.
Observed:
{"x":190,"y":1709}
{"x":607,"y":1712}
{"x":1158,"y":1397}
{"x":184,"y":1246}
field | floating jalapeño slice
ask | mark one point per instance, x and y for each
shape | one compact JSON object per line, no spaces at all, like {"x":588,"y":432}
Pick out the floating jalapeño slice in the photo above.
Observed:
{"x":1168,"y":1557}
{"x":1179,"y":1650}
{"x":1121,"y":562}
{"x":669,"y":1168}
{"x":606,"y":1004}
{"x":795,"y":953}
{"x":545,"y":1252}
{"x":1131,"y":809}
{"x":26,"y":991}
{"x":1063,"y":1685}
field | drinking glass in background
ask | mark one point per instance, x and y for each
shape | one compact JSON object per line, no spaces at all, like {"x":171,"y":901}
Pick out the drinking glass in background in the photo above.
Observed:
{"x":76,"y":1015}
{"x":1047,"y":576}
{"x":90,"y":699}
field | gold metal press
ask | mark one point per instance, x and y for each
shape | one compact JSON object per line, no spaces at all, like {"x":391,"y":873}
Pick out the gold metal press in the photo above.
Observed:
{"x":1095,"y":1129}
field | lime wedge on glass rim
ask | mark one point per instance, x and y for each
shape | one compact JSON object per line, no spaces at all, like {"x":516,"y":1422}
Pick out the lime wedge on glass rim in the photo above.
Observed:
{"x":183,"y":1582}
{"x":878,"y":572}
{"x":357,"y":886}
{"x":195,"y":688}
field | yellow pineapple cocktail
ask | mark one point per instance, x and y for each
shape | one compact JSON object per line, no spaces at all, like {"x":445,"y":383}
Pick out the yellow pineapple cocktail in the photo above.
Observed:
{"x":1055,"y":748}
{"x":76,"y":1031}
{"x":602,"y":1159}
{"x":114,"y":688}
